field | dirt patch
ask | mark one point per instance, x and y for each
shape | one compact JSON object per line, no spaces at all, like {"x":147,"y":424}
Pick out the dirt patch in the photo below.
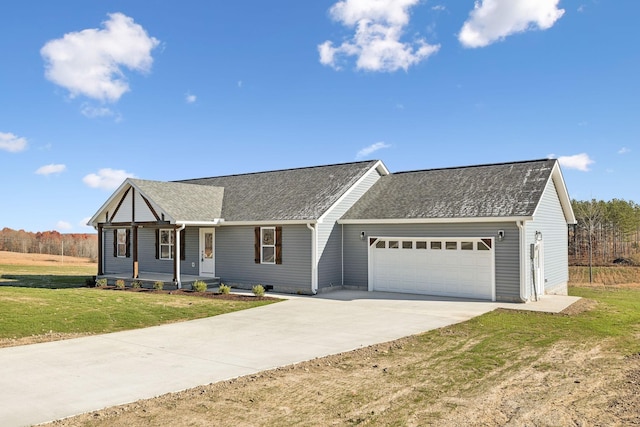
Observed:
{"x":36,"y":339}
{"x":580,"y":306}
{"x":587,"y":387}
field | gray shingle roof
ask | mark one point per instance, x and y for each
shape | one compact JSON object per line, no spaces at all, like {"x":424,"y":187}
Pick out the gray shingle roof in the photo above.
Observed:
{"x":184,"y":202}
{"x":484,"y":191}
{"x":292,"y":194}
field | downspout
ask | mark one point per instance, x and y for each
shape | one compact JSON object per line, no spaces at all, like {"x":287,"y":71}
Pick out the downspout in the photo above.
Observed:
{"x":177,"y":254}
{"x":342,"y":255}
{"x":314,"y":260}
{"x":523,"y":261}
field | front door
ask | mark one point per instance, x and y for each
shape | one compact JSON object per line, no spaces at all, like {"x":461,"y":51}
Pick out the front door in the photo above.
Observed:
{"x":207,"y":252}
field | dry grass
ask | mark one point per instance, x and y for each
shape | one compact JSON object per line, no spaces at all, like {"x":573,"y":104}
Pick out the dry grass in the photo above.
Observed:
{"x":17,"y":258}
{"x":607,"y":276}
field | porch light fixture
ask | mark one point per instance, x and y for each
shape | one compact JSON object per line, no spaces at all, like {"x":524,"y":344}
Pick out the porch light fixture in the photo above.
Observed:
{"x":362,"y":235}
{"x":538,"y":236}
{"x":500,"y":235}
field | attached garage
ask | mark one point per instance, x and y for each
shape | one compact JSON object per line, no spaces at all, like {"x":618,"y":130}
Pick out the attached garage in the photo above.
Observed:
{"x":455,"y":267}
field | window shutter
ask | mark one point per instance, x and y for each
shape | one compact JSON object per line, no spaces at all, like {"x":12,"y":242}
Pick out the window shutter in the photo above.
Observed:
{"x":256,"y":245}
{"x":115,"y":242}
{"x":183,"y":252}
{"x":128,"y":244}
{"x":157,"y":243}
{"x":278,"y":245}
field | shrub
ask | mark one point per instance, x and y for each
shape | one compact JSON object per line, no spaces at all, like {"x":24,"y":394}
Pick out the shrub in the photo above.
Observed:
{"x":136,"y":284}
{"x":224,"y":289}
{"x":258,"y":290}
{"x":90,"y":282}
{"x":120,"y":284}
{"x":158,"y":285}
{"x":101,"y":283}
{"x":199,"y":286}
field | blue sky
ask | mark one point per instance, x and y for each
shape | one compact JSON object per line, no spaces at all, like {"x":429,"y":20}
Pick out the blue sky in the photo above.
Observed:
{"x":95,"y":91}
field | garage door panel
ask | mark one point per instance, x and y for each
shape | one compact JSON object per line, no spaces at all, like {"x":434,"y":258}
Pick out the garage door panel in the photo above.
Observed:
{"x":463,"y":272}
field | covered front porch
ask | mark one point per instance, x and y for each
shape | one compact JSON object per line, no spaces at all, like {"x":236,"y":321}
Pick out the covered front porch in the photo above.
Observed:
{"x":148,"y":279}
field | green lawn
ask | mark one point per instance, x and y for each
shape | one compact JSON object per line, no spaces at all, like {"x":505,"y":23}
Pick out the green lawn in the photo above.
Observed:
{"x":35,"y":276}
{"x":37,"y":300}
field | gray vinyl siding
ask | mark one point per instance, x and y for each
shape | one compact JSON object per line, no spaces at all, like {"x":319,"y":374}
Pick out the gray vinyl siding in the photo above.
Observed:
{"x":235,"y":263}
{"x":114,"y":264}
{"x":550,"y":221}
{"x":330,"y":234}
{"x":147,"y":261}
{"x":506,"y":252}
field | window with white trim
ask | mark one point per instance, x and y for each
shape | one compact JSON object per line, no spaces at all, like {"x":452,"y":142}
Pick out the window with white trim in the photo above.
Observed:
{"x":268,"y":245}
{"x":121,"y":245}
{"x":166,"y":244}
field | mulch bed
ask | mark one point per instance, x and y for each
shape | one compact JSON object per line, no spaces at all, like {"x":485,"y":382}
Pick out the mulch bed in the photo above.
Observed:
{"x":188,"y":292}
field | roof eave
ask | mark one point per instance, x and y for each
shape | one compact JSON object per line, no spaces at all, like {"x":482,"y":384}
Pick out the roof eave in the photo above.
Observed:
{"x":435,"y":220}
{"x":271,"y":222}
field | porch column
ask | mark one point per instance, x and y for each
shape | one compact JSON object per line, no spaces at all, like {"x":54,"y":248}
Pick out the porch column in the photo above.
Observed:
{"x":134,"y":237}
{"x":100,"y":250}
{"x":176,"y":257}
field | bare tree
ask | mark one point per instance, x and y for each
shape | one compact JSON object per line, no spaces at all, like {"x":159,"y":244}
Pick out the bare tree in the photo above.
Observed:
{"x":590,"y":217}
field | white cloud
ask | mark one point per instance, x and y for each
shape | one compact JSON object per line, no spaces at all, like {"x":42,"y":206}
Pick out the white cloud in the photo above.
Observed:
{"x":371,"y":149}
{"x":379,"y":26}
{"x":107,"y":179}
{"x":493,"y":20}
{"x":12,"y":143}
{"x":51,"y":169}
{"x":93,"y":112}
{"x":580,"y":161}
{"x":190,"y":99}
{"x":63,"y":225}
{"x":90,"y":62}
{"x":84,"y":222}
{"x":624,"y":150}
{"x":439,"y":8}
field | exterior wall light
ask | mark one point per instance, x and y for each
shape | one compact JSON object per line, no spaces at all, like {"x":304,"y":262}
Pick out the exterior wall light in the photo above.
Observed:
{"x":362,"y":235}
{"x":538,"y":236}
{"x":500,"y":235}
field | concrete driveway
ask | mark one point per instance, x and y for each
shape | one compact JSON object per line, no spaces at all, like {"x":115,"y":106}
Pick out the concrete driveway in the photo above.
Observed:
{"x":49,"y":381}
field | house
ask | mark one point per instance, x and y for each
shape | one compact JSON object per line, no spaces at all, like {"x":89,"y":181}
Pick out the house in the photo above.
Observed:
{"x":495,"y":232}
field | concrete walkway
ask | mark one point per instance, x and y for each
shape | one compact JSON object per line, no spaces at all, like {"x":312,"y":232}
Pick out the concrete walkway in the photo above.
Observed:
{"x":49,"y":381}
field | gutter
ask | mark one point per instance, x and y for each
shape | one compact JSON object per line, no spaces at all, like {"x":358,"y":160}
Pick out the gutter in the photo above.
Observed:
{"x":314,"y":258}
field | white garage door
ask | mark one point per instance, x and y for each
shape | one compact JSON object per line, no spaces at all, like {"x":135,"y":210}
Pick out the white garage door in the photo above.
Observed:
{"x":459,"y":267}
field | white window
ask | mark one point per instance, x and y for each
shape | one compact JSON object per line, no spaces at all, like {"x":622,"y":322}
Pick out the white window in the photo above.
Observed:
{"x":166,"y":244}
{"x":268,"y":245}
{"x":121,"y":239}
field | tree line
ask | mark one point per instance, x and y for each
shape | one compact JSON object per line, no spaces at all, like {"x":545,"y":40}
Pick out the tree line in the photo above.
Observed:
{"x":606,"y":232}
{"x":49,"y":242}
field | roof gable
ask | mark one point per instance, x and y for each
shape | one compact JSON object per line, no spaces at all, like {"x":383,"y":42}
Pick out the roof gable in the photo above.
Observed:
{"x":157,"y":200}
{"x":183,"y":202}
{"x":503,"y":190}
